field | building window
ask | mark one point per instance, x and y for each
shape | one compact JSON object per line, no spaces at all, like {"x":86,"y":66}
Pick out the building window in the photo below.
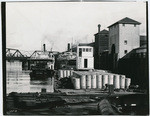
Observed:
{"x":80,"y":49}
{"x":83,"y":49}
{"x":86,"y":49}
{"x":125,"y":52}
{"x":80,"y":52}
{"x":125,"y":42}
{"x":123,"y":24}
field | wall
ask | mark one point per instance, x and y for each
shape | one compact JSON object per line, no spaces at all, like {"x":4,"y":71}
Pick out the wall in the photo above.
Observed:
{"x":80,"y":63}
{"x":136,"y":68}
{"x":85,"y":55}
{"x":114,"y":37}
{"x":130,"y":33}
{"x":118,"y":33}
{"x":101,"y":42}
{"x":101,"y":45}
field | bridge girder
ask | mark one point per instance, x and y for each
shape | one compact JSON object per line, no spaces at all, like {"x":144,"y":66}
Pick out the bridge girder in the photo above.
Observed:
{"x":13,"y":53}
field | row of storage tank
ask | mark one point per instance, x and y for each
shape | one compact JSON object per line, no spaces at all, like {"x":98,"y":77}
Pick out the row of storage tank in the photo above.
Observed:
{"x":99,"y":81}
{"x":65,"y":73}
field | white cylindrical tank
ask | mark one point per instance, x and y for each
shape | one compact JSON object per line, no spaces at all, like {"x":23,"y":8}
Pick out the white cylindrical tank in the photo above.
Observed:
{"x":127,"y":82}
{"x":77,"y":83}
{"x":60,"y":73}
{"x":117,"y":81}
{"x":88,"y":81}
{"x":122,"y":81}
{"x":64,"y":73}
{"x":83,"y":81}
{"x":104,"y":80}
{"x":71,"y":72}
{"x":110,"y":79}
{"x":93,"y":81}
{"x":68,"y":73}
{"x":99,"y":81}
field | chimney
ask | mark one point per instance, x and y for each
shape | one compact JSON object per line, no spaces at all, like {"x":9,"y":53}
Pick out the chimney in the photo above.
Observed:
{"x":68,"y":47}
{"x":99,"y":26}
{"x":44,"y":47}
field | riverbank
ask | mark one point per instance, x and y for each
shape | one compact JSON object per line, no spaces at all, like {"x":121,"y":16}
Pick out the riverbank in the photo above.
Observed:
{"x":69,"y":101}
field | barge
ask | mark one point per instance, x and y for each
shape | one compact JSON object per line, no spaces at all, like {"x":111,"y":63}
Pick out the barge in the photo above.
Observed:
{"x":42,"y":64}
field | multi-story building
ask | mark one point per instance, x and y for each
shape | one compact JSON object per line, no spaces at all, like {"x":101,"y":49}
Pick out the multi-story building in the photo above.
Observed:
{"x":84,"y":59}
{"x":100,"y":45}
{"x":101,"y":40}
{"x":124,"y":36}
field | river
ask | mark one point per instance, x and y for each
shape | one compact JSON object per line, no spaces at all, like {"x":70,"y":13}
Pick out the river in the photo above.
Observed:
{"x":18,"y":80}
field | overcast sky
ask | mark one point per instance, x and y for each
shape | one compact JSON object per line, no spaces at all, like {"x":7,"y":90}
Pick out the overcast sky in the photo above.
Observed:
{"x":30,"y":24}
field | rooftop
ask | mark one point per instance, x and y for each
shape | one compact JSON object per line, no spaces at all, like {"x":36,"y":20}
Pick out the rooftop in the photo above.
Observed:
{"x":86,"y":44}
{"x":92,"y":72}
{"x":103,"y":32}
{"x":126,"y":20}
{"x":139,"y":50}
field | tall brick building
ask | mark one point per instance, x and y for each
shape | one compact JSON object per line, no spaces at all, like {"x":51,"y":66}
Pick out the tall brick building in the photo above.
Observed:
{"x":100,"y":45}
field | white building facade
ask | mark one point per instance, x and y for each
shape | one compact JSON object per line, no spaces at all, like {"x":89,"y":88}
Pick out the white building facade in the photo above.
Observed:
{"x":124,"y":36}
{"x":84,"y":59}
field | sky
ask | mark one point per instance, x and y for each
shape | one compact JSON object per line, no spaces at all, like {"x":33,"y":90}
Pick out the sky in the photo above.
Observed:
{"x":30,"y":24}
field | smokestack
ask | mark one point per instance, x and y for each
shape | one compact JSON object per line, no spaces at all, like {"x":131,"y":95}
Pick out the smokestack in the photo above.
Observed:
{"x":99,"y":26}
{"x":44,"y":47}
{"x":68,"y":47}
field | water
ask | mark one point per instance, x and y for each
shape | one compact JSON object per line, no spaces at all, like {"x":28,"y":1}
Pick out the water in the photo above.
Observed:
{"x":18,"y":80}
